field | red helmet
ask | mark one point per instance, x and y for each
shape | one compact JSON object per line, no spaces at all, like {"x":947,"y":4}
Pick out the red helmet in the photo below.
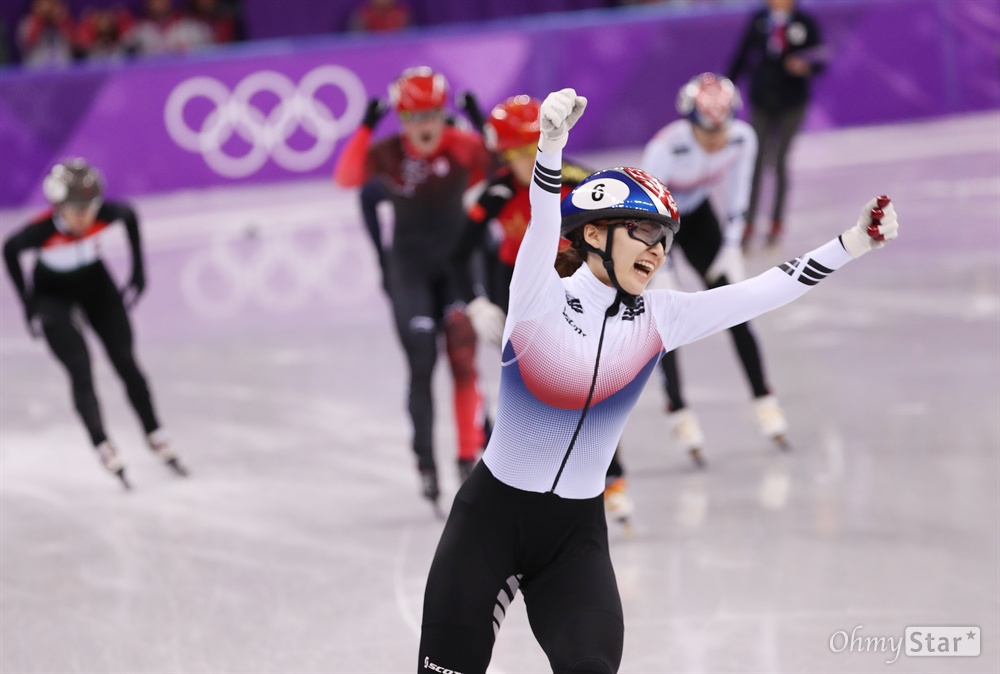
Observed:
{"x":708,"y":100}
{"x":417,"y":90}
{"x":515,"y":122}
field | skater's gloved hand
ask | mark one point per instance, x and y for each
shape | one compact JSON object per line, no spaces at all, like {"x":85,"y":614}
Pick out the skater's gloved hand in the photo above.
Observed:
{"x":31,"y":317}
{"x":134,"y":288}
{"x":469,"y":104}
{"x":559,"y":112}
{"x":374,"y":112}
{"x":733,"y":234}
{"x":876,"y":226}
{"x":728,"y":262}
{"x":488,"y":320}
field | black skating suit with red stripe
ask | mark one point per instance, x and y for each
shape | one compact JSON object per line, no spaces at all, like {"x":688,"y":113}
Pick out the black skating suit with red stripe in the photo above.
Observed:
{"x":69,"y":276}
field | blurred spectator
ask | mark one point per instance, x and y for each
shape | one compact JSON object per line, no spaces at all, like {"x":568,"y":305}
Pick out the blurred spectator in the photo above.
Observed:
{"x":782,"y":50}
{"x":219,"y":18}
{"x":101,"y":31}
{"x":46,"y":35}
{"x":4,"y":44}
{"x":163,"y":29}
{"x":380,"y":16}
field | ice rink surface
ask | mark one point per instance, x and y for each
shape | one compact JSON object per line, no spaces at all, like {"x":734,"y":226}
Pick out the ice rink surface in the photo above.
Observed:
{"x":300,"y":544}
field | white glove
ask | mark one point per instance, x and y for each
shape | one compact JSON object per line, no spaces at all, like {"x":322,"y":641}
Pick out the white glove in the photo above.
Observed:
{"x":874,"y":228}
{"x":487,"y":319}
{"x":733,"y":233}
{"x":728,"y":262}
{"x":559,"y":112}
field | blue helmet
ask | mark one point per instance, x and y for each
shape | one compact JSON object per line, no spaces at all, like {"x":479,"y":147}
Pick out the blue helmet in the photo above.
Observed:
{"x":621,"y":192}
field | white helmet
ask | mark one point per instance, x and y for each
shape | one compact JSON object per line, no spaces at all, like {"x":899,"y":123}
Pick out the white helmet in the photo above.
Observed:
{"x":709,"y":100}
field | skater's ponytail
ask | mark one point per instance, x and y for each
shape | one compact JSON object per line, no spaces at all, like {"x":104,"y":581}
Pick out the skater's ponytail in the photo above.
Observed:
{"x":571,"y":254}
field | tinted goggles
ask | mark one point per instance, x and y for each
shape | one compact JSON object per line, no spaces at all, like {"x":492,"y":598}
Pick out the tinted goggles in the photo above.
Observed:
{"x":649,"y":232}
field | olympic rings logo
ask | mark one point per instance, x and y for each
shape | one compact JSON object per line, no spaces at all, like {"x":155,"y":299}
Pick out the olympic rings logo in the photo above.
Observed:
{"x":276,"y":273}
{"x":237,"y":119}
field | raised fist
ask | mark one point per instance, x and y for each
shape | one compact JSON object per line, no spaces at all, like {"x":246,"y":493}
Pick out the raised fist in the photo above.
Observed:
{"x":559,"y":112}
{"x":876,"y":226}
{"x":374,"y":112}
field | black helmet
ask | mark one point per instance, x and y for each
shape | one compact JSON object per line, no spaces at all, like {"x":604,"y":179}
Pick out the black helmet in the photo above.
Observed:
{"x":73,"y":181}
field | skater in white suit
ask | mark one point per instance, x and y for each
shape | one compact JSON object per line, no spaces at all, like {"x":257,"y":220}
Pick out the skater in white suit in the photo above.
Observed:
{"x":576,"y":353}
{"x":707,"y":152}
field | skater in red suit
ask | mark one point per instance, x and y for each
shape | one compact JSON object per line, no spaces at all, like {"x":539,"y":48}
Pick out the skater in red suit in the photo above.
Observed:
{"x":427,"y":168}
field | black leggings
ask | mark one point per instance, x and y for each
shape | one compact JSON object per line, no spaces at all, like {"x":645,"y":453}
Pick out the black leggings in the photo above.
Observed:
{"x":775,"y":131}
{"x":92,"y":290}
{"x":499,"y":539}
{"x":700,"y":239}
{"x":419,"y":305}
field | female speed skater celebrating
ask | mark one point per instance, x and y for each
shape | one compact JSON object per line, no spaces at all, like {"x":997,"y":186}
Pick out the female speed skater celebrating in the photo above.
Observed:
{"x":577,"y":352}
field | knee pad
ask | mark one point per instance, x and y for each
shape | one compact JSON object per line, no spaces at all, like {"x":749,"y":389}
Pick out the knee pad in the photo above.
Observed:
{"x":421,"y":346}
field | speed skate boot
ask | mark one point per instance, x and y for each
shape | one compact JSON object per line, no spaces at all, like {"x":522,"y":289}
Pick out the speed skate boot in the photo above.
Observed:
{"x":112,"y":462}
{"x":618,"y":503}
{"x":687,"y":433}
{"x":160,"y":445}
{"x":771,"y":419}
{"x":430,"y":490}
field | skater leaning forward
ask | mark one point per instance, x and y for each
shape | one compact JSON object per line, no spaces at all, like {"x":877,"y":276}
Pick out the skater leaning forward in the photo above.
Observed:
{"x":576,"y":353}
{"x":707,"y":151}
{"x":69,"y":276}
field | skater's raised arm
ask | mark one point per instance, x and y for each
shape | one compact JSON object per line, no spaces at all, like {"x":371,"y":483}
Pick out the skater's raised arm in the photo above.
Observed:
{"x":354,"y":166}
{"x":535,"y":279}
{"x":687,"y":317}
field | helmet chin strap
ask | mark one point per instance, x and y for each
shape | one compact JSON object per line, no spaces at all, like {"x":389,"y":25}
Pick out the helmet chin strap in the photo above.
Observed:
{"x":624,"y":296}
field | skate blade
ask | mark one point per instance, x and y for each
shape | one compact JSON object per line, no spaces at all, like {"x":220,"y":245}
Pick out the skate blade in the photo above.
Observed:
{"x":697,"y":458}
{"x":782,"y":442}
{"x":177,"y":467}
{"x":120,"y":474}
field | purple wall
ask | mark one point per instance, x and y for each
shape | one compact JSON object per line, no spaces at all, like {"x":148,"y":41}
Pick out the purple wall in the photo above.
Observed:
{"x":281,"y":109}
